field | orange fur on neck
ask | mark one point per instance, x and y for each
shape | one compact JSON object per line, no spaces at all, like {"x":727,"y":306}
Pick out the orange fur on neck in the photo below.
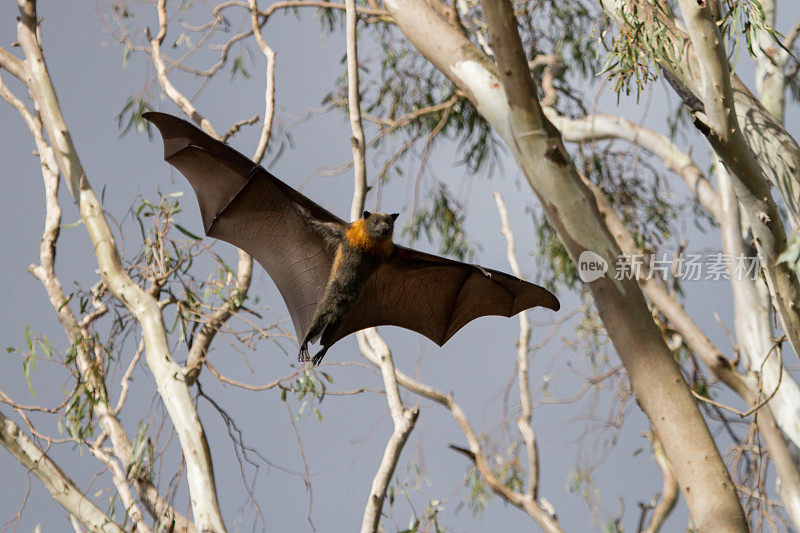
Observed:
{"x":358,"y":237}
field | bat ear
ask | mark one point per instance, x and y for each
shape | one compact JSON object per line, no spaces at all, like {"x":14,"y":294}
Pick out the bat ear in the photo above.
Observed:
{"x":394,"y":216}
{"x":366,"y":214}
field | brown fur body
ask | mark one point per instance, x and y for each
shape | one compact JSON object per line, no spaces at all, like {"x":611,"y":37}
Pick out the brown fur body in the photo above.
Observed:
{"x":361,"y":247}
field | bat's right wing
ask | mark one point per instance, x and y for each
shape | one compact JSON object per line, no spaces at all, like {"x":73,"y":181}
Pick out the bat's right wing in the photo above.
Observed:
{"x":245,"y":205}
{"x":436,"y":296}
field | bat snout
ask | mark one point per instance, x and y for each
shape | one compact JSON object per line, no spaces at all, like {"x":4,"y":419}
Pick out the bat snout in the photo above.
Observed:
{"x":385,"y":230}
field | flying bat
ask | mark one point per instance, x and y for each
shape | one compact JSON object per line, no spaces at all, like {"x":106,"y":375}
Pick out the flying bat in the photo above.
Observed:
{"x":336,"y":278}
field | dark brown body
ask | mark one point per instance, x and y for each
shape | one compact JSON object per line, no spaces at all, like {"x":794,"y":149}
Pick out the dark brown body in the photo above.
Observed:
{"x":336,"y":278}
{"x":360,"y":249}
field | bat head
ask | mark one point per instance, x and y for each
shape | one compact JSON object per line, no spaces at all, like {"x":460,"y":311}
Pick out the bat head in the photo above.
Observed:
{"x":379,"y":226}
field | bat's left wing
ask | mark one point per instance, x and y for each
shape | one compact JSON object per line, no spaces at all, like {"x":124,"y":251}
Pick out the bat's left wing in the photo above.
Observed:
{"x":245,"y":205}
{"x":436,"y":296}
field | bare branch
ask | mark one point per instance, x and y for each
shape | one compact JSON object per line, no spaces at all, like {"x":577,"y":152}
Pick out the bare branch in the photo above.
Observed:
{"x":735,"y":122}
{"x":161,"y":71}
{"x":523,"y":346}
{"x":321,"y":5}
{"x":121,"y":483}
{"x":126,"y":377}
{"x":542,"y":514}
{"x":770,"y":61}
{"x":377,"y":352}
{"x":233,"y":130}
{"x":542,"y":156}
{"x":14,"y":65}
{"x":357,"y":138}
{"x":45,"y":272}
{"x":791,"y":36}
{"x":543,"y":518}
{"x":370,"y":343}
{"x":269,"y":93}
{"x":601,"y":127}
{"x":244,"y":272}
{"x":143,"y":307}
{"x":711,"y":356}
{"x":669,"y":491}
{"x":202,"y":340}
{"x":64,"y":491}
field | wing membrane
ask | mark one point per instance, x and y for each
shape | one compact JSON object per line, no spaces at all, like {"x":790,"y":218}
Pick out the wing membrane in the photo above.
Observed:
{"x":436,"y":297}
{"x":243,"y":204}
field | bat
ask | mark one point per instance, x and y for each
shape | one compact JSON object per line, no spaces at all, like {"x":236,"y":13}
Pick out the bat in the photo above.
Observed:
{"x":336,"y":278}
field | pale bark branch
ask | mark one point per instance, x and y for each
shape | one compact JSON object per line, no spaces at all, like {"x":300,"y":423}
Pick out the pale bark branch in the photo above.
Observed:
{"x":143,"y":307}
{"x":244,"y":271}
{"x":776,"y":151}
{"x":121,"y":483}
{"x":371,"y":344}
{"x":290,"y":4}
{"x":770,"y":60}
{"x":14,"y":65}
{"x":354,"y":112}
{"x":523,"y":347}
{"x":754,"y":333}
{"x":602,"y":127}
{"x":752,"y":305}
{"x":377,"y":352}
{"x":791,"y":36}
{"x":669,"y":490}
{"x":269,"y":92}
{"x":527,"y":125}
{"x":77,"y":336}
{"x":544,"y":517}
{"x":752,"y":189}
{"x":161,"y":72}
{"x":64,"y":491}
{"x":746,"y":387}
{"x":752,"y":143}
{"x":126,"y":378}
{"x":506,"y":97}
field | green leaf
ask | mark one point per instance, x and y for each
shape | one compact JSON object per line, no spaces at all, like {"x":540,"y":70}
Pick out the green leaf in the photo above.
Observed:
{"x":28,"y":366}
{"x":238,"y":68}
{"x":46,"y":348}
{"x":187,"y":232}
{"x":28,"y":336}
{"x":65,"y":302}
{"x":73,"y":225}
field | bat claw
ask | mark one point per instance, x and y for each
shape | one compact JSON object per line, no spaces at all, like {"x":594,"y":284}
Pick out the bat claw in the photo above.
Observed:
{"x":302,"y":356}
{"x":318,"y":358}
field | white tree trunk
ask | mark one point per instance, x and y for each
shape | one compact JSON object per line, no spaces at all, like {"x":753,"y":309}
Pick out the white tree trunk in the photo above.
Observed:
{"x":508,"y":102}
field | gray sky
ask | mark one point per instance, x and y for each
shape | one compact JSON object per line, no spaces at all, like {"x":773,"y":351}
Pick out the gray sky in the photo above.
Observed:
{"x":343,"y":451}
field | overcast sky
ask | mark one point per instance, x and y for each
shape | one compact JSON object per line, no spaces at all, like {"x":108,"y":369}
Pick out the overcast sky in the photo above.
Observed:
{"x":344,"y":449}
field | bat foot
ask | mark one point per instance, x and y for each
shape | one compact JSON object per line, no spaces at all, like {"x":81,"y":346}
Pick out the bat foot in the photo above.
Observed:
{"x":318,"y":358}
{"x":302,"y":355}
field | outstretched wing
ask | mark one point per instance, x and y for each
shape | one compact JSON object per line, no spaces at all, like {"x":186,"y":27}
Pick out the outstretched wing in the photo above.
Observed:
{"x":245,"y":205}
{"x":436,"y":296}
